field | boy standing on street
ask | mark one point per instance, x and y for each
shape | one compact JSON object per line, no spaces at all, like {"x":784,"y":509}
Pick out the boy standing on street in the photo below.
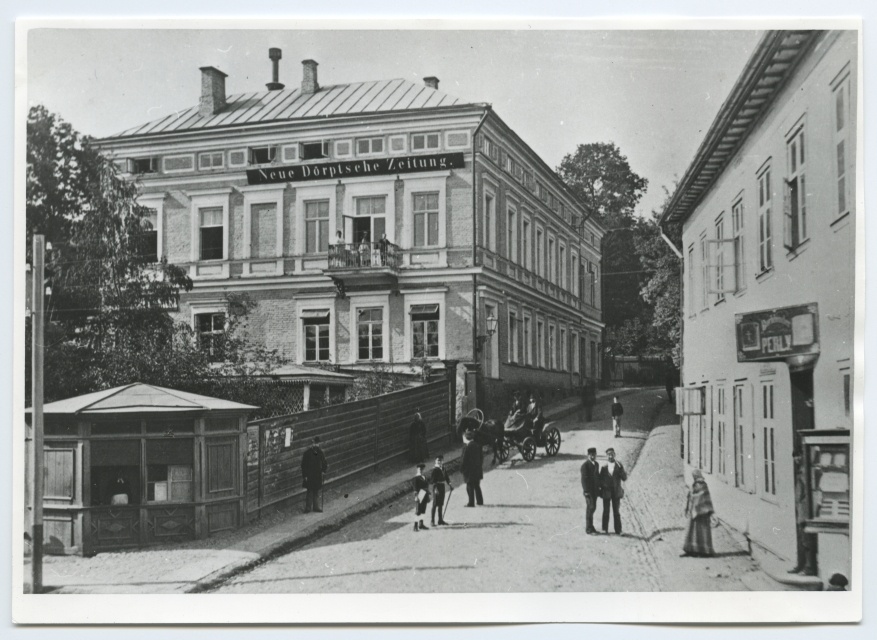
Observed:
{"x":590,"y":487}
{"x":439,"y":477}
{"x":617,"y":412}
{"x":421,"y":497}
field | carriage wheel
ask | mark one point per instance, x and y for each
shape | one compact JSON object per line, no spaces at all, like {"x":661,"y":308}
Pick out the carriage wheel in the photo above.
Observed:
{"x":504,"y":449}
{"x":552,"y":442}
{"x":477,"y":414}
{"x":528,"y":449}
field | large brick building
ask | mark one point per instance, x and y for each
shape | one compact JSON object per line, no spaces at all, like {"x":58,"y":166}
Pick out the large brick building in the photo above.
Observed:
{"x":374,"y":222}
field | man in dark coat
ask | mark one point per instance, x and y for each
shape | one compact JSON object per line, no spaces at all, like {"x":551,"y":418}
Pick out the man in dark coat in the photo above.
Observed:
{"x":418,"y":446}
{"x":591,"y":487}
{"x":313,"y":466}
{"x":611,"y":477}
{"x":471,"y":467}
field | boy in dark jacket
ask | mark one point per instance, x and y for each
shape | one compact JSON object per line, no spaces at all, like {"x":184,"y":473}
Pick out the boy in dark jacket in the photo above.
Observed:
{"x":438,"y":477}
{"x":421,"y":497}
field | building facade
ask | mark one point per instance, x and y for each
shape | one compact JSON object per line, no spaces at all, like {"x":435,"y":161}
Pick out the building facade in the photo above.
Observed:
{"x":768,"y":216}
{"x":375,"y":223}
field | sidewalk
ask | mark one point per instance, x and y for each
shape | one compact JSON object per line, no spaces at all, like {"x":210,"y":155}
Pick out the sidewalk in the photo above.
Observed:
{"x":197,"y":565}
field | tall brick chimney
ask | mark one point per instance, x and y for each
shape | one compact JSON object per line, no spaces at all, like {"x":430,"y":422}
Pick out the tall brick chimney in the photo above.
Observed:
{"x":275,"y":54}
{"x":431,"y":82}
{"x":212,"y":91}
{"x":309,"y":82}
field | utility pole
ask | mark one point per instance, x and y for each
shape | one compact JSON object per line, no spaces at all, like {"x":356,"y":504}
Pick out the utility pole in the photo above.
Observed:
{"x":37,"y":349}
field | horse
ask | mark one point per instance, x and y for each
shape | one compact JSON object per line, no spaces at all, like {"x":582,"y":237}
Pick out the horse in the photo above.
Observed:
{"x":485,"y":432}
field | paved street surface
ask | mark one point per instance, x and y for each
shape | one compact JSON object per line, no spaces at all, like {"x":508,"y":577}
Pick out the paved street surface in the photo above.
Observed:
{"x":530,"y":534}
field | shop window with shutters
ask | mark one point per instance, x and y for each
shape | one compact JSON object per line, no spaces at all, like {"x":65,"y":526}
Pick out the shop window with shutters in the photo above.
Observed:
{"x":765,"y":232}
{"x":115,"y":472}
{"x":210,"y":328}
{"x":768,"y":435}
{"x":370,"y":332}
{"x":169,"y":476}
{"x":149,"y":236}
{"x":212,"y":233}
{"x":426,"y":219}
{"x":315,"y":335}
{"x":842,"y":144}
{"x":317,"y":226}
{"x":425,"y":331}
{"x":424,"y":141}
{"x":795,"y":202}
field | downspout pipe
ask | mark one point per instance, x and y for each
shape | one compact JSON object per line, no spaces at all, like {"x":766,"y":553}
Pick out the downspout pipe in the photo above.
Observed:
{"x":487,"y":110}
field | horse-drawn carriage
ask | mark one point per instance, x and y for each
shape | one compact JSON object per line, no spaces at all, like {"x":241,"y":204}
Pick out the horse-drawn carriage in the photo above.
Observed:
{"x":518,"y":431}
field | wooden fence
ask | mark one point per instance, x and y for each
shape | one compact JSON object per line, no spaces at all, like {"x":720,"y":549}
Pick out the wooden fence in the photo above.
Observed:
{"x":355,"y":437}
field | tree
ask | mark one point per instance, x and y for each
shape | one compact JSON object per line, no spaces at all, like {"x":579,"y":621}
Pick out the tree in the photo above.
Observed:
{"x":601,"y":178}
{"x":108,"y":320}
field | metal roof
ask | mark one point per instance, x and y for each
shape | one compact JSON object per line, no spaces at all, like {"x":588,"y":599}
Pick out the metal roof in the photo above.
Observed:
{"x":775,"y":58}
{"x":290,"y":104}
{"x":139,"y":398}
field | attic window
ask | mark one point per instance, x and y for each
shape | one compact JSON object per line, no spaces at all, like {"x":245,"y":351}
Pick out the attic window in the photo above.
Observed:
{"x":262,"y":155}
{"x":314,"y":150}
{"x":421,"y":141}
{"x":144,"y":165}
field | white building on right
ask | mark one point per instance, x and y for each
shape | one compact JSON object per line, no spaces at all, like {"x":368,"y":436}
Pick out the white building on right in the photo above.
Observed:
{"x":768,"y":216}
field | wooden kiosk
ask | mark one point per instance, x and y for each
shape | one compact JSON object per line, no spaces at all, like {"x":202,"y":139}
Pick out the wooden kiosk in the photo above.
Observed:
{"x":141,"y":465}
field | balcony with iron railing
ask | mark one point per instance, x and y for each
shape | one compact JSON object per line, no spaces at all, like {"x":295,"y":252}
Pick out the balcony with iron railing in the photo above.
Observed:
{"x":364,"y":257}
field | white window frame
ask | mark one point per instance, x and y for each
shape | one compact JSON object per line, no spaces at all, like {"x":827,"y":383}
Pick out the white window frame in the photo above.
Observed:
{"x":561,"y":265}
{"x":424,"y":185}
{"x":252,"y":148}
{"x":799,"y":176}
{"x":692,"y":307}
{"x":326,"y":303}
{"x":205,"y":307}
{"x":358,"y":302}
{"x":574,"y":272}
{"x":552,"y":257}
{"x":540,"y":249}
{"x":208,"y":199}
{"x":338,"y":153}
{"x":704,"y":272}
{"x":766,"y":403}
{"x":552,"y":346}
{"x":765,"y":228}
{"x":210,"y":155}
{"x":262,"y":194}
{"x":426,"y":135}
{"x":391,"y":139}
{"x":738,"y":226}
{"x":370,"y":140}
{"x":416,"y":299}
{"x":489,"y":218}
{"x":155,"y":201}
{"x":289,"y":153}
{"x":307,"y":194}
{"x":526,"y":241}
{"x":842,"y":137}
{"x":325,"y":149}
{"x":511,"y":231}
{"x":540,"y":342}
{"x":244,"y":152}
{"x":369,"y":189}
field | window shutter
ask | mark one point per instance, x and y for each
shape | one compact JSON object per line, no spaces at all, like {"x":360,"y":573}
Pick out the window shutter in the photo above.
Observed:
{"x":787,"y":215}
{"x":680,"y":401}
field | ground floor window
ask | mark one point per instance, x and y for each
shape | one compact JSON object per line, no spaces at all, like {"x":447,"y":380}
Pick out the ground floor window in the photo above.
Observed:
{"x":115,"y":472}
{"x":425,"y":331}
{"x":315,"y":333}
{"x":768,"y":437}
{"x":210,"y":328}
{"x":169,"y":476}
{"x":370,"y":332}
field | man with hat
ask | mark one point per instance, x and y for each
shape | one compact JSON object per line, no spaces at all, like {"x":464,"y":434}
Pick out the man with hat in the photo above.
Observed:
{"x":591,"y":486}
{"x":612,"y":476}
{"x":438,"y":477}
{"x":313,"y":466}
{"x":471,"y":466}
{"x":421,"y":497}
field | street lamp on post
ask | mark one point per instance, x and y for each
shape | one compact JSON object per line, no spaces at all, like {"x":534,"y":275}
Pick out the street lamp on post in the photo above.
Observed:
{"x":491,"y":323}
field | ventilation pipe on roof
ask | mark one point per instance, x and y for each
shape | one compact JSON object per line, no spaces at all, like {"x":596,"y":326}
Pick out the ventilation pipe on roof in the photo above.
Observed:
{"x":212,"y":91}
{"x":309,"y":77}
{"x":275,"y":54}
{"x":431,"y":82}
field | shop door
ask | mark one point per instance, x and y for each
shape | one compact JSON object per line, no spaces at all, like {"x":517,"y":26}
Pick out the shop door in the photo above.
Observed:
{"x":743,"y":463}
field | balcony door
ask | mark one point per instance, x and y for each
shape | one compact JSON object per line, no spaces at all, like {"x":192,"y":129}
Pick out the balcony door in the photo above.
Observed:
{"x":370,"y":221}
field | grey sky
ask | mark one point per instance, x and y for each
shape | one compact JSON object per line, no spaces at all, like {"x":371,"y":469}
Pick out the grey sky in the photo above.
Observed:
{"x":653,"y":93}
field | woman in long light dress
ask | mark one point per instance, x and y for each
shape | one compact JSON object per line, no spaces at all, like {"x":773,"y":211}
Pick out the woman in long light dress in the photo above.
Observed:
{"x":699,"y":509}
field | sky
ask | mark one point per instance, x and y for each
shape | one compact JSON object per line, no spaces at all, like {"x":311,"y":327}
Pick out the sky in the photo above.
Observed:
{"x":653,"y":93}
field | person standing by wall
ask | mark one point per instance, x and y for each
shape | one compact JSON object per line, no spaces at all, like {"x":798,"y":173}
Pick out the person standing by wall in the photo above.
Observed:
{"x":418,"y":446}
{"x":471,"y":467}
{"x":806,"y":564}
{"x":313,"y":466}
{"x":590,"y":487}
{"x":612,"y":476}
{"x":699,"y":510}
{"x":617,"y":412}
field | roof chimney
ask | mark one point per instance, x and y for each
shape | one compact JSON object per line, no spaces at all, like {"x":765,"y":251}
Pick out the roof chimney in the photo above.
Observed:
{"x":431,"y":82}
{"x":309,"y":77}
{"x":212,"y":91}
{"x":275,"y":54}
